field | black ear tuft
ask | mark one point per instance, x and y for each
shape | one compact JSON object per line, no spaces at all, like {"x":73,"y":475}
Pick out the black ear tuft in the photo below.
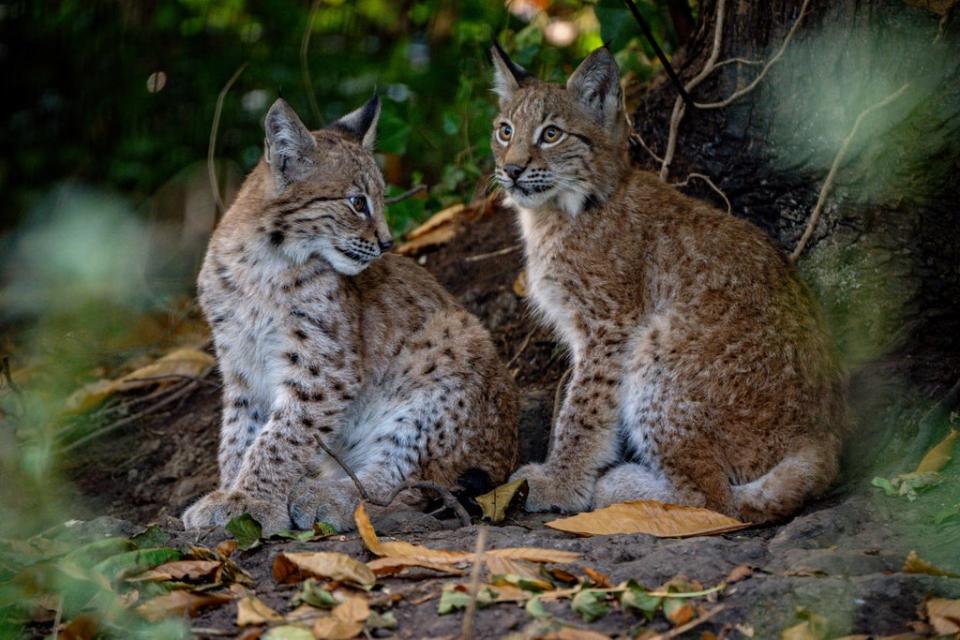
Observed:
{"x":508,"y":76}
{"x":361,"y":124}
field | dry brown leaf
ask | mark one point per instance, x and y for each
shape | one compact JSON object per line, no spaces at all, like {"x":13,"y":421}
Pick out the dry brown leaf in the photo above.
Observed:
{"x":178,"y":603}
{"x":497,"y":565}
{"x":938,"y":457}
{"x":599,"y":579}
{"x":944,"y":615}
{"x":648,"y":516}
{"x":346,"y":620}
{"x":298,"y":566}
{"x":252,"y":610}
{"x":391,"y":565}
{"x":439,"y":229}
{"x":226,"y":548}
{"x":83,"y":627}
{"x":179,"y":570}
{"x":520,"y":285}
{"x":915,"y":564}
{"x":738,"y":573}
{"x":496,"y":503}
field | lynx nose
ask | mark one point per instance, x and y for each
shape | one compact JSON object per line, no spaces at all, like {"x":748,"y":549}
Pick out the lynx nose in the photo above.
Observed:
{"x":513,"y":170}
{"x":385,"y":245}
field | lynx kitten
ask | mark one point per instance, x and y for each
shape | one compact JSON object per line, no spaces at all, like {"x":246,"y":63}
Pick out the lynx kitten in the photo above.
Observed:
{"x":702,"y":372}
{"x":323,"y":337}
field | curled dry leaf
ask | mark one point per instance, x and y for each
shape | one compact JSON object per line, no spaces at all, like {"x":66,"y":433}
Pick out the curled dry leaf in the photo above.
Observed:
{"x":497,"y":565}
{"x":393,"y":565}
{"x":346,"y":620}
{"x":294,"y":567}
{"x":400,"y":549}
{"x":179,"y":570}
{"x":938,"y":457}
{"x":599,"y":579}
{"x":252,"y":611}
{"x":915,"y":564}
{"x":650,"y":517}
{"x":738,"y":573}
{"x":178,"y":603}
{"x":944,"y":615}
{"x":520,"y":285}
{"x":439,"y":229}
{"x":498,"y":502}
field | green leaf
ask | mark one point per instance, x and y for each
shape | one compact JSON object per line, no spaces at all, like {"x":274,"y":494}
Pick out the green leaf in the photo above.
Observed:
{"x":451,"y":600}
{"x":152,"y":536}
{"x":90,"y":554}
{"x":536,"y":609}
{"x":394,"y":133}
{"x":313,"y":594}
{"x":246,"y":530}
{"x":636,"y":597}
{"x":617,"y":25}
{"x":134,"y":562}
{"x":300,"y":536}
{"x":884,"y":484}
{"x":381,"y":620}
{"x":948,"y":515}
{"x":536,"y":585}
{"x":590,"y":604}
{"x":321,"y":529}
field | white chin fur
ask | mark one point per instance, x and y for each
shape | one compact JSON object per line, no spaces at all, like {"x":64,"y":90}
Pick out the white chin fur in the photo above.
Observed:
{"x":341,"y":263}
{"x":570,"y":202}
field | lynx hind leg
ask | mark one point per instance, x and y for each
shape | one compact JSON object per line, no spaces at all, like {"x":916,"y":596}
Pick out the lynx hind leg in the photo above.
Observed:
{"x":632,"y":481}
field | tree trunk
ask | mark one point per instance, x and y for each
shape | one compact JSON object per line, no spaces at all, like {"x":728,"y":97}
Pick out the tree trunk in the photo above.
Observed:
{"x":884,"y":258}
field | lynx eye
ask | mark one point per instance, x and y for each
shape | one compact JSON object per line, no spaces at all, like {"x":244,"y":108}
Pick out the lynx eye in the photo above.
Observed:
{"x":504,"y":133}
{"x":359,"y":204}
{"x":551,"y":134}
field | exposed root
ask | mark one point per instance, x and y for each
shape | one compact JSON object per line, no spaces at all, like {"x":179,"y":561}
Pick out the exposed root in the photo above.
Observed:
{"x":828,"y":183}
{"x":710,"y":183}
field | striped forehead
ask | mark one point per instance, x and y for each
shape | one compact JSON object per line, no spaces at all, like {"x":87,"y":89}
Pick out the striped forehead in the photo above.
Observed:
{"x":536,"y":104}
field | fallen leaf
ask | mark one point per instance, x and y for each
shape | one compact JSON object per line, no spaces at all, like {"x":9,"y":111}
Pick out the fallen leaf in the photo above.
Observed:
{"x":636,"y":597}
{"x":535,"y":608}
{"x":651,"y":517}
{"x":522,"y":582}
{"x":178,"y":603}
{"x":399,"y":549}
{"x":392,"y":565}
{"x":289,"y":632}
{"x":226,"y":548}
{"x":296,"y":566}
{"x":334,"y":629}
{"x":738,"y":573}
{"x":590,"y":604}
{"x":252,"y":610}
{"x":520,"y":285}
{"x":678,"y":611}
{"x":381,"y":621}
{"x":498,"y":502}
{"x":179,"y":570}
{"x":944,"y":615}
{"x":246,"y":530}
{"x":497,"y":565}
{"x":599,"y":579}
{"x":83,"y":627}
{"x":133,"y":562}
{"x":563,"y":576}
{"x":439,"y":229}
{"x":915,"y":564}
{"x":313,"y":594}
{"x":938,"y":457}
{"x":152,"y":536}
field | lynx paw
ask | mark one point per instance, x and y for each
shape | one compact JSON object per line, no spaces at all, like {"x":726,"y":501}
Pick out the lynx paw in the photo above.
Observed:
{"x":219,"y":507}
{"x":551,"y":491}
{"x":327,"y":501}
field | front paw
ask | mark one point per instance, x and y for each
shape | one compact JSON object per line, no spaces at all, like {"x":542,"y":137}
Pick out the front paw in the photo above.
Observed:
{"x":553,"y":490}
{"x":220,"y":507}
{"x":332,"y":502}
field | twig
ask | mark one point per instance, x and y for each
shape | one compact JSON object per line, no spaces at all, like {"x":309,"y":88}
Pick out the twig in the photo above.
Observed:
{"x":409,"y":193}
{"x":113,"y":426}
{"x":448,"y":498}
{"x":470,"y":613}
{"x":763,"y":72}
{"x":710,"y":184}
{"x":523,"y":347}
{"x":645,"y":28}
{"x":493,"y":254}
{"x":636,"y":137}
{"x":212,"y":145}
{"x":825,"y":189}
{"x":305,"y":67}
{"x":682,"y":629}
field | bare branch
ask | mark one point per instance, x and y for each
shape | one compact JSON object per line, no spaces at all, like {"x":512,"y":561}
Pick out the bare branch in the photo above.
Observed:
{"x":828,"y":183}
{"x":710,"y":183}
{"x":409,"y":193}
{"x":493,"y":254}
{"x":468,"y":615}
{"x":212,"y":144}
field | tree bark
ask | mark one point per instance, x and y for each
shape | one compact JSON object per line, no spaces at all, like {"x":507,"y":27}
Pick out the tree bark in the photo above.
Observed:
{"x":884,"y":258}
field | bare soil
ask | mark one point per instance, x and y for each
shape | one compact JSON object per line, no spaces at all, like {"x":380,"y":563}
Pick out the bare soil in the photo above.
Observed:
{"x":842,"y":557}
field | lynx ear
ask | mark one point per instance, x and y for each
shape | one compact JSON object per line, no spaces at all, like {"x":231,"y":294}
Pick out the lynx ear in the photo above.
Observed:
{"x":596,"y":84}
{"x":288,"y":143}
{"x":362,"y":123}
{"x":507,"y":75}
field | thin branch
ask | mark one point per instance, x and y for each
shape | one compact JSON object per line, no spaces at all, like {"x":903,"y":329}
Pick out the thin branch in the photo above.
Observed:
{"x":523,"y":347}
{"x":763,"y":72}
{"x":409,"y":193}
{"x":179,"y":392}
{"x":212,"y":144}
{"x":648,"y":34}
{"x":346,"y":469}
{"x":828,"y":183}
{"x":470,"y":613}
{"x":305,"y":67}
{"x":493,"y":254}
{"x":635,"y":136}
{"x":710,"y":183}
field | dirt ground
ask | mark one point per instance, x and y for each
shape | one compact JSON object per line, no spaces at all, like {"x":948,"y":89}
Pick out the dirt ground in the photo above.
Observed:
{"x":842,"y":557}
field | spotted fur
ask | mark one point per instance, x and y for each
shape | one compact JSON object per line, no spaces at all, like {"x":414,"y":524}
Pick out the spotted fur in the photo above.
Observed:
{"x":702,"y":371}
{"x":322,"y":337}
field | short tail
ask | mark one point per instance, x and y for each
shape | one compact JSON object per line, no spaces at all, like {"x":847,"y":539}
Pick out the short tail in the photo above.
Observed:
{"x":803,"y":474}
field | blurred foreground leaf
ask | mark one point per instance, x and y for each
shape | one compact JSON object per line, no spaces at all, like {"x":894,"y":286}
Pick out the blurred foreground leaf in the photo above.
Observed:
{"x":246,"y":530}
{"x":651,"y":517}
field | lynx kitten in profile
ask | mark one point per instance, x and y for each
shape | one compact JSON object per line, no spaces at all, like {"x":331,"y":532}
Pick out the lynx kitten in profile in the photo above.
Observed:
{"x":702,"y":371}
{"x":321,"y":336}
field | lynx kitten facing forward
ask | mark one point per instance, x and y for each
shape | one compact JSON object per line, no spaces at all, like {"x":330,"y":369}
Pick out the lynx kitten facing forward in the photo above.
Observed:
{"x":322,"y":337}
{"x":702,"y":372}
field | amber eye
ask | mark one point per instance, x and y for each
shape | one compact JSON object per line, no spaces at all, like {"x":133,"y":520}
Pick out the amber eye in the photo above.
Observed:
{"x":505,"y":132}
{"x":551,"y":134}
{"x":359,"y":204}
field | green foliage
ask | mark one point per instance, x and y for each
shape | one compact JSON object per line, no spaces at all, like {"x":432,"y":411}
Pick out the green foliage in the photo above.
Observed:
{"x":246,"y":530}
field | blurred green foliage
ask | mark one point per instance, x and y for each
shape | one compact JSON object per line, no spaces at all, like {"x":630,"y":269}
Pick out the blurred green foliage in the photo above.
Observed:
{"x":120,"y":94}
